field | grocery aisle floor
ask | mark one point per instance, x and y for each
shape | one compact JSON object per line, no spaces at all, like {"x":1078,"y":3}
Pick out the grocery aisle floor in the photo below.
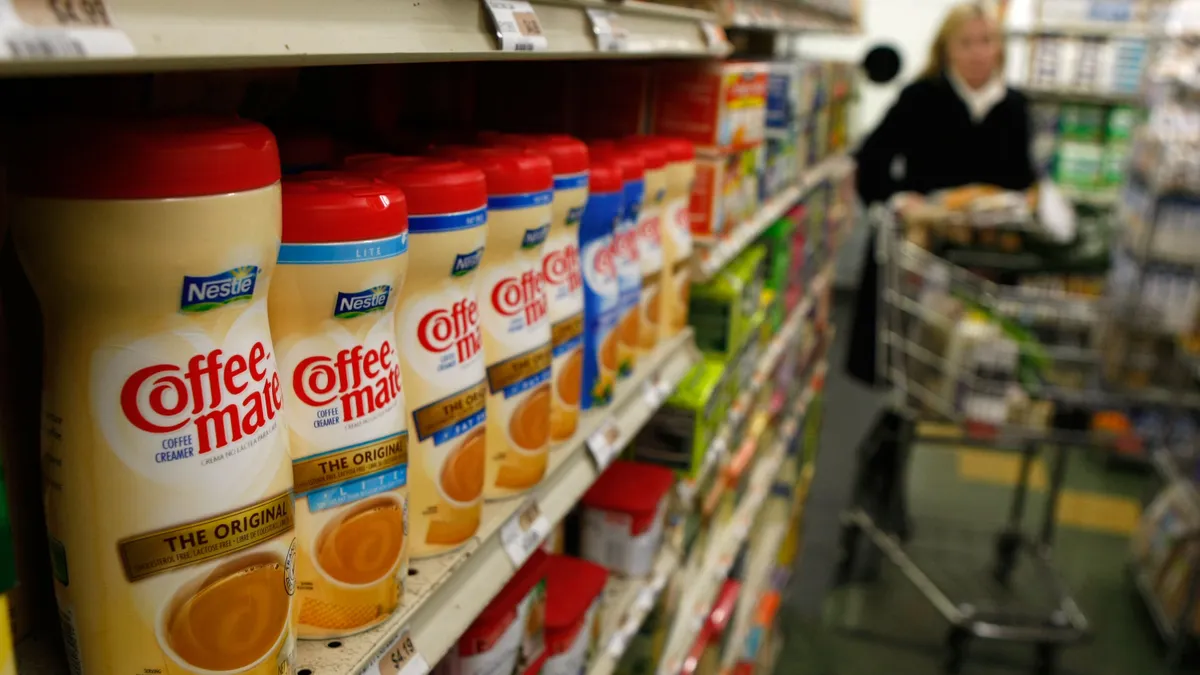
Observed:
{"x":887,"y":626}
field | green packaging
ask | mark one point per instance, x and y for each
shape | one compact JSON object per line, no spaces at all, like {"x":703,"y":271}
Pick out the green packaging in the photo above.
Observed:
{"x":1122,"y":120}
{"x":722,"y":310}
{"x":683,"y":429}
{"x":1083,"y":122}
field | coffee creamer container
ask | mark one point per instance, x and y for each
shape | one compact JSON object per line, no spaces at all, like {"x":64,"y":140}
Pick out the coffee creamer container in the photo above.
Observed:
{"x":650,"y":249}
{"x":625,"y":252}
{"x":441,"y":350}
{"x":513,"y":311}
{"x":168,"y":484}
{"x":563,"y":279}
{"x":677,"y":231}
{"x":600,"y":292}
{"x":333,"y":317}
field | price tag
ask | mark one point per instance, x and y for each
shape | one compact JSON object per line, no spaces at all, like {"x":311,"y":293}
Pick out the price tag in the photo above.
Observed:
{"x":605,"y":443}
{"x":517,"y":26}
{"x":38,"y":30}
{"x":609,"y":29}
{"x":714,"y":37}
{"x":524,"y":532}
{"x":401,"y":658}
{"x":652,"y":392}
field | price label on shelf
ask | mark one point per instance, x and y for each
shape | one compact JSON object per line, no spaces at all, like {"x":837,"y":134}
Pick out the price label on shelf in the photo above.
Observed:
{"x":714,"y":37}
{"x":401,"y":658}
{"x":653,"y":392}
{"x":604,"y":443}
{"x":523,"y":532}
{"x":609,"y":29}
{"x":517,"y":26}
{"x":39,"y":30}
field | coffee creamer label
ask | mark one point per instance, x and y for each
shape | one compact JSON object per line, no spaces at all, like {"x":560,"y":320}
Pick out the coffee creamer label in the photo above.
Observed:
{"x":566,"y":335}
{"x":201,"y":294}
{"x":465,"y":263}
{"x":601,"y":293}
{"x":520,"y":373}
{"x":351,"y":305}
{"x":451,"y":417}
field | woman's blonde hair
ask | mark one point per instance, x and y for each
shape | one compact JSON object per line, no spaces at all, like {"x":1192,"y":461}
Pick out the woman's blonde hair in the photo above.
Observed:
{"x":954,"y":21}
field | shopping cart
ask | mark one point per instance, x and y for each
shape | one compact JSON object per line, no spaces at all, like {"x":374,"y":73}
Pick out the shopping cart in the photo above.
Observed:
{"x":1009,"y":368}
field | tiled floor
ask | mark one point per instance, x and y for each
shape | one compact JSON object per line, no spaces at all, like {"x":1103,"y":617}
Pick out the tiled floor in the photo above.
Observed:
{"x":887,"y":627}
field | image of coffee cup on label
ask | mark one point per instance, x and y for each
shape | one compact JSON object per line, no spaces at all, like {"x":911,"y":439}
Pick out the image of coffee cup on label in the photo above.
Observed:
{"x":568,"y":380}
{"x":649,"y":316}
{"x":530,"y":436}
{"x":683,"y":289}
{"x":627,"y":332}
{"x":233,"y":620}
{"x":460,"y":484}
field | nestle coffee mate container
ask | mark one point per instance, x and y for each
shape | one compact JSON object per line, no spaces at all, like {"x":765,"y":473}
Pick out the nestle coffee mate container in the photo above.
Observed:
{"x":563,"y":279}
{"x":649,"y":238}
{"x":441,"y":350}
{"x":168,"y":486}
{"x":513,"y":312}
{"x":600,"y":291}
{"x":333,"y":316}
{"x":625,"y":252}
{"x":677,"y":231}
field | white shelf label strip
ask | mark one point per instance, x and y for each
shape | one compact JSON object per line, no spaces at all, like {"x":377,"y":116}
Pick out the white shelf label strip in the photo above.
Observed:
{"x":524,"y":532}
{"x":605,"y":443}
{"x":401,"y":658}
{"x":517,"y":26}
{"x":609,"y":29}
{"x":41,"y":30}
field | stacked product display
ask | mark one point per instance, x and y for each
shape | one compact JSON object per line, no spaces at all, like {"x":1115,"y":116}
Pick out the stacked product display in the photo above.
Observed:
{"x":346,"y":369}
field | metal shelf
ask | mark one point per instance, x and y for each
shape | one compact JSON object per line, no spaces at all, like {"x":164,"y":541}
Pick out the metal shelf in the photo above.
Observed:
{"x":1067,"y":95}
{"x":627,"y":603}
{"x":712,"y":259}
{"x":1094,"y":29}
{"x":695,"y":605}
{"x":445,"y":594}
{"x":183,"y":35}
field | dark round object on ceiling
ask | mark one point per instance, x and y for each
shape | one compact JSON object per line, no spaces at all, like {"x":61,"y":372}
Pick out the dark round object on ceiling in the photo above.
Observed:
{"x":882,"y":64}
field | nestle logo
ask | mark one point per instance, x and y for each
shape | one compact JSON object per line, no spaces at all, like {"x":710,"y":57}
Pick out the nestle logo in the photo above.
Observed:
{"x":535,"y":237}
{"x":201,"y":294}
{"x":350,"y":305}
{"x":465,"y":263}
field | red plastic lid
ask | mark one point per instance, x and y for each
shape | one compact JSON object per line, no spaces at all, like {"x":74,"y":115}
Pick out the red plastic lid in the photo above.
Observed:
{"x":436,"y":186}
{"x":605,"y":176}
{"x":568,"y":154}
{"x":155,"y":158}
{"x":506,"y":601}
{"x":678,"y":149}
{"x":571,"y":587}
{"x":653,"y":152}
{"x":630,"y":487}
{"x":509,"y":171}
{"x":332,"y":206}
{"x":630,"y":162}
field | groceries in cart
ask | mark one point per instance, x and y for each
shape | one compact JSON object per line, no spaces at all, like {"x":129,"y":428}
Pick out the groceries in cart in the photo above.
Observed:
{"x":987,"y":217}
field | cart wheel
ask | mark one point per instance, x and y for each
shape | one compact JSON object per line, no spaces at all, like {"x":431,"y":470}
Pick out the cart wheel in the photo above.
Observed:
{"x":1047,"y":658}
{"x":1008,"y":544}
{"x":956,"y":650}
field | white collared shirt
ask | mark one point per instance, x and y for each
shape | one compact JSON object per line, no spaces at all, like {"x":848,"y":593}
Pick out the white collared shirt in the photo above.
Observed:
{"x":979,"y":101}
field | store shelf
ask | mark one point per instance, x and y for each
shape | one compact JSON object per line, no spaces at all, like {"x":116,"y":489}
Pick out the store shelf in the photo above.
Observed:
{"x":1093,"y":29}
{"x":713,"y":258}
{"x":183,"y":35}
{"x":1067,"y":95}
{"x":766,"y":366}
{"x":446,"y":593}
{"x":772,"y":15}
{"x":728,"y":541}
{"x":627,"y":603}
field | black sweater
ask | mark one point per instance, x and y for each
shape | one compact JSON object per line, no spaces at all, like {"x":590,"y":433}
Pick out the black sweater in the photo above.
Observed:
{"x":930,"y":127}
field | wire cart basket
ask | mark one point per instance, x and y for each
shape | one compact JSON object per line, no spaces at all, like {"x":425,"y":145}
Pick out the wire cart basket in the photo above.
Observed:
{"x":1010,"y":367}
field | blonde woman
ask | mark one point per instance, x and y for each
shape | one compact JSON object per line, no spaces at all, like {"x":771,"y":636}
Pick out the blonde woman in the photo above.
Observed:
{"x":956,"y":125}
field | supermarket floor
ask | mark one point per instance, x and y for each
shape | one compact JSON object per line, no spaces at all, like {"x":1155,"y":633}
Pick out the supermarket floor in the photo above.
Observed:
{"x":886,"y":626}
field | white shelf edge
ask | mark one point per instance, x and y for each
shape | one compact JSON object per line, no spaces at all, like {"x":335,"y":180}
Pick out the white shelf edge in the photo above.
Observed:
{"x":1067,"y":95}
{"x":183,"y":35}
{"x":720,"y":254}
{"x":448,"y":592}
{"x":635,"y":598}
{"x":729,"y":542}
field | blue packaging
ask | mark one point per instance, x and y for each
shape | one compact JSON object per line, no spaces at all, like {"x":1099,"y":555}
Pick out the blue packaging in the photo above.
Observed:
{"x":601,"y":292}
{"x":629,"y":274}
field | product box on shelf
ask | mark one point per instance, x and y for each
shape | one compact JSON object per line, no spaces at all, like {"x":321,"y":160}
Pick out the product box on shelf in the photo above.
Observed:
{"x":624,"y":514}
{"x":681,"y":432}
{"x":781,"y":165}
{"x":573,"y":589}
{"x":723,"y":308}
{"x":725,"y":192}
{"x":717,"y":105}
{"x":509,"y":635}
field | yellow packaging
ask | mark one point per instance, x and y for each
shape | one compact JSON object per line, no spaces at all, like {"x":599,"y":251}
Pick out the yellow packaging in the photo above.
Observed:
{"x":441,"y":351}
{"x":650,"y":245}
{"x":513,"y":310}
{"x":166,"y":471}
{"x":8,"y":660}
{"x":333,"y":316}
{"x":677,"y":234}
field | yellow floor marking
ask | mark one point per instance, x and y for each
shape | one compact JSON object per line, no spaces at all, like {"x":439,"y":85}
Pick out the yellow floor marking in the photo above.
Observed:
{"x":998,"y":468}
{"x":936,"y":430}
{"x":1098,"y":513}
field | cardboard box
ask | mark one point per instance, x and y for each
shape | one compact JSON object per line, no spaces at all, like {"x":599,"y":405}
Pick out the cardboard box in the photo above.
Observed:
{"x":717,"y":105}
{"x":725,"y":192}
